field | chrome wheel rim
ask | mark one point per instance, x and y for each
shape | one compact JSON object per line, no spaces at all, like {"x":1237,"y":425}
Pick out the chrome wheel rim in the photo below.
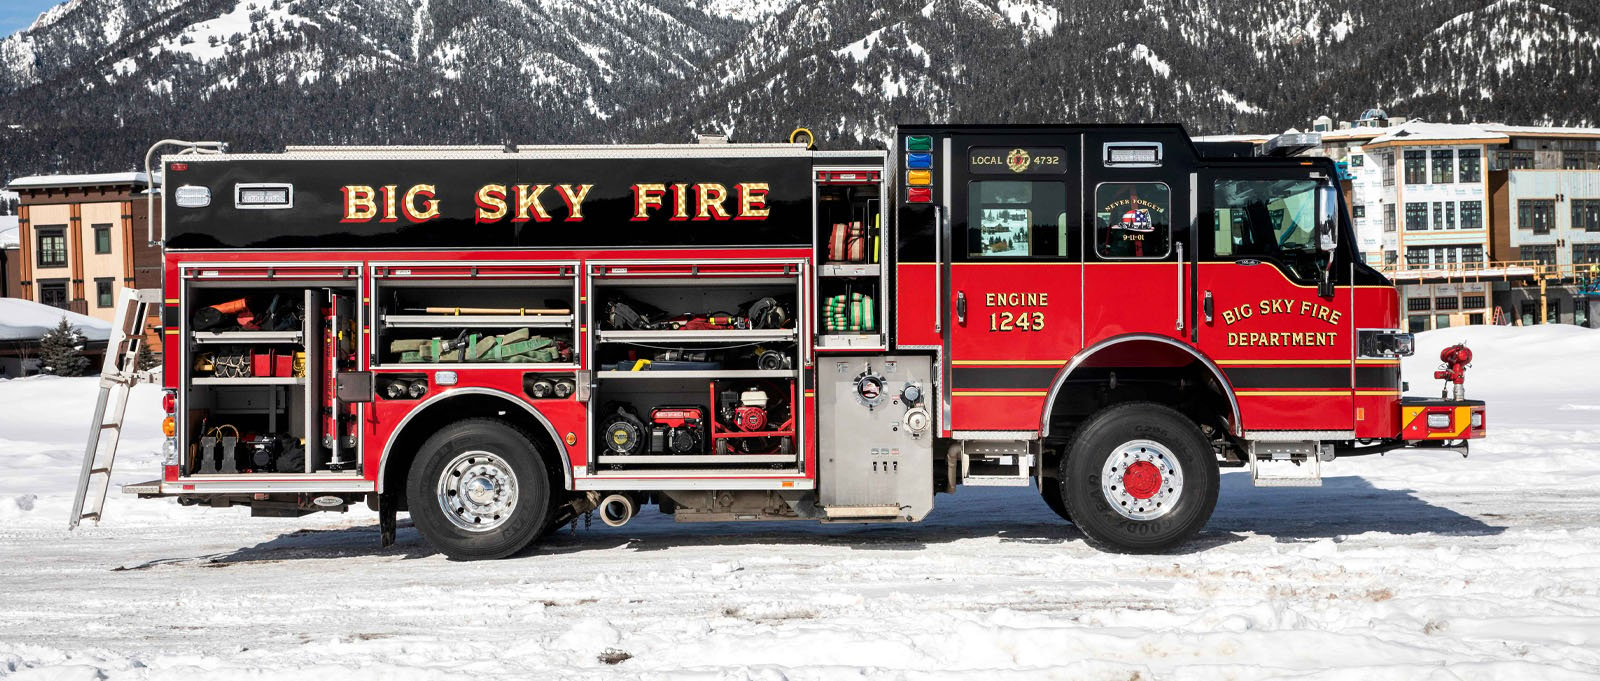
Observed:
{"x":1141,"y":480}
{"x":477,"y":491}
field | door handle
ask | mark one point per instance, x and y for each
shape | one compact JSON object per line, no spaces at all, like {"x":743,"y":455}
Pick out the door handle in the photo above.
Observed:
{"x":1181,"y":288}
{"x":961,"y":307}
{"x":1209,"y":307}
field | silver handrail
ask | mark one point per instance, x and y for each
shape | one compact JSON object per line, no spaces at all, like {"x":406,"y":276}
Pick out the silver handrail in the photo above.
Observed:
{"x":150,"y":181}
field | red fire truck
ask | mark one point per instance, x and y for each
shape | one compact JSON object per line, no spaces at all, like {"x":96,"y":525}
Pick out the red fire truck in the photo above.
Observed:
{"x":500,"y":339}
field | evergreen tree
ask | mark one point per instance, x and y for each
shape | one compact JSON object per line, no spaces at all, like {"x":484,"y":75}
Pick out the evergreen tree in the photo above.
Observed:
{"x":147,"y":359}
{"x":61,"y":351}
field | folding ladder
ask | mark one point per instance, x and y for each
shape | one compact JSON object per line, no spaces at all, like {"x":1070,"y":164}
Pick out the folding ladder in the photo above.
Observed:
{"x":118,"y":375}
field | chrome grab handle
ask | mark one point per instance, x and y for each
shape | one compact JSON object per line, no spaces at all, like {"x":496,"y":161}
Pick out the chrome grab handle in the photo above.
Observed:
{"x":1210,"y":308}
{"x":938,"y":269}
{"x":1180,"y":287}
{"x":961,"y":308}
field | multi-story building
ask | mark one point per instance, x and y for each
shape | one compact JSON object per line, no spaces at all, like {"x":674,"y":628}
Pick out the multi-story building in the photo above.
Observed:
{"x":10,"y":248}
{"x":1479,"y":222}
{"x":82,"y":237}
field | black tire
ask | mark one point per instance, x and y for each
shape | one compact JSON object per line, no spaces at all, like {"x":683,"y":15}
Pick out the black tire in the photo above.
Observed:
{"x":1108,"y":433}
{"x":523,"y":520}
{"x":1050,"y":490}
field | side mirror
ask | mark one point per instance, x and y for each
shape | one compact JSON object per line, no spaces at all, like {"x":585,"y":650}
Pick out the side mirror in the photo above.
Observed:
{"x":1328,"y":219}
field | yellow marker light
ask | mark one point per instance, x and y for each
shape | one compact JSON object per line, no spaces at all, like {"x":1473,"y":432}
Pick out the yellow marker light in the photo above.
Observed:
{"x":919,"y":178}
{"x":169,"y":427}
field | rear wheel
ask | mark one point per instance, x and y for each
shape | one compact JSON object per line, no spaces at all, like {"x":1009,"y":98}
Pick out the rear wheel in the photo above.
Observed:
{"x":1139,"y":477}
{"x":478,"y":490}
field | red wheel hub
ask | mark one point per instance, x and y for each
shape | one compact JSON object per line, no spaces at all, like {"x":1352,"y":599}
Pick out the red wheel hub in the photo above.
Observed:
{"x":1141,"y":480}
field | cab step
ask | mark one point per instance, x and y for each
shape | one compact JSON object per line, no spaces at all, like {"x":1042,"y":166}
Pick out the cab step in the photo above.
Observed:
{"x":1287,"y":464}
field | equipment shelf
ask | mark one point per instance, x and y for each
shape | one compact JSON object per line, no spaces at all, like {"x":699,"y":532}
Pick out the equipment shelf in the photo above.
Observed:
{"x":686,"y":459}
{"x":249,"y":380}
{"x":719,"y":373}
{"x":704,"y":336}
{"x":241,"y":337}
{"x":850,"y":270}
{"x":434,"y":321}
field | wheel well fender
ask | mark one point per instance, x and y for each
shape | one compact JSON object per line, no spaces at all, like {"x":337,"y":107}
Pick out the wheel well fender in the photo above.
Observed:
{"x":462,"y":403}
{"x":1103,"y":349}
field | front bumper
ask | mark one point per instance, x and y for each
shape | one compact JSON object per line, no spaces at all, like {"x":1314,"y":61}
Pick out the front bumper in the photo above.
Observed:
{"x":1429,"y":419}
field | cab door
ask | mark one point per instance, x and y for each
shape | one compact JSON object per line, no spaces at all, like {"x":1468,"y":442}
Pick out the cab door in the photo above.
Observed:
{"x":1012,"y":253}
{"x":1287,"y":350}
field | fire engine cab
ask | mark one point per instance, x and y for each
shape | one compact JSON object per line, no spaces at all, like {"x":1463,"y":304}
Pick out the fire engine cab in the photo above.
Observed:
{"x":500,"y":339}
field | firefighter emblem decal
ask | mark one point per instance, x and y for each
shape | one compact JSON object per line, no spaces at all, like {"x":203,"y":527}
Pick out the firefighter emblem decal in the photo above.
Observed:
{"x":1136,"y":220}
{"x":1018,"y":160}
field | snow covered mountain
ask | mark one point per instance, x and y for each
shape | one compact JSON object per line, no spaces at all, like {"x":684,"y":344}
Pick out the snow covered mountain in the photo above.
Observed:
{"x":92,"y":82}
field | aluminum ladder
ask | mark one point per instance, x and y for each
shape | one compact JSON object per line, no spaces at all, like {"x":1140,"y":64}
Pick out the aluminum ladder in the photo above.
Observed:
{"x":118,"y":375}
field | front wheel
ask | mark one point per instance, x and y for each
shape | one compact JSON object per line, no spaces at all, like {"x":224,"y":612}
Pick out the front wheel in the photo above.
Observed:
{"x":478,"y":490}
{"x":1139,"y":477}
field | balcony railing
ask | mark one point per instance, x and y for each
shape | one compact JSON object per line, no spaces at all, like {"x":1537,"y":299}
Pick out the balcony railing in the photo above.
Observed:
{"x":1503,"y":270}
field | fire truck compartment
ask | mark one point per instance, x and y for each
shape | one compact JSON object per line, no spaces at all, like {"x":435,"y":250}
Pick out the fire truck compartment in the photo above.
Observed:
{"x":258,"y":371}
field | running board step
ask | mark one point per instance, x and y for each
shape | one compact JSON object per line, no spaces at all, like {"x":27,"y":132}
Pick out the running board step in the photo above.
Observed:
{"x":1288,"y":464}
{"x":151,"y":487}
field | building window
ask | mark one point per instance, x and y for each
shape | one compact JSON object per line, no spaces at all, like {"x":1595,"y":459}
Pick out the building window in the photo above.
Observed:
{"x":1357,"y":160}
{"x":1359,"y":210}
{"x":1528,"y":309}
{"x":1446,"y":303}
{"x":1545,"y":255}
{"x":1472,"y":254}
{"x":1416,"y":167}
{"x":102,"y":293}
{"x":1416,"y":217}
{"x":1552,"y":311}
{"x":1574,"y":160}
{"x":1444,"y":215}
{"x":1418,"y":304}
{"x":1538,"y":215}
{"x":1418,"y":255}
{"x":1444,"y":166}
{"x":1586,"y":254}
{"x":1468,"y":168}
{"x":1472,"y":215}
{"x":1388,"y":217}
{"x":1386,"y":163}
{"x":1586,"y":214}
{"x":102,"y":239}
{"x":1132,"y":219}
{"x":53,"y":293}
{"x":1391,"y":257}
{"x":1417,"y":323}
{"x":52,"y":247}
{"x":1514,"y":160}
{"x":1473,"y":302}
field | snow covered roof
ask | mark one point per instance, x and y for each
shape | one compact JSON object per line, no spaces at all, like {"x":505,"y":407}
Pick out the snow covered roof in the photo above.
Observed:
{"x":78,"y":180}
{"x":1253,"y":139}
{"x":1420,"y":131}
{"x":1540,"y":131}
{"x":8,"y":231}
{"x":26,"y":320}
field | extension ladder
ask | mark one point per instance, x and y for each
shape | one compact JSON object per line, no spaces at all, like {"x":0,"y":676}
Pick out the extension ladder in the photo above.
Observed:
{"x":118,"y":375}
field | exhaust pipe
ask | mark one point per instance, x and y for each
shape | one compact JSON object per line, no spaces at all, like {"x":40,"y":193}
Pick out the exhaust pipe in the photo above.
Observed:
{"x":616,"y":510}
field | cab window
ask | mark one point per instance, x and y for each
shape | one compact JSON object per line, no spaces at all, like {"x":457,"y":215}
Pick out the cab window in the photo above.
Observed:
{"x":1016,"y":219}
{"x":1271,"y":219}
{"x":1133,"y":220}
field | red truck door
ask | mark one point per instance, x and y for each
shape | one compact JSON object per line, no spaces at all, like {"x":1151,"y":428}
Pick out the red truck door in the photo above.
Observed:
{"x":1012,"y":254}
{"x":1287,"y":351}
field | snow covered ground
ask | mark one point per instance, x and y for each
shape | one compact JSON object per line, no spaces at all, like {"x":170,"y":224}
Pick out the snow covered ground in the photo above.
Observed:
{"x":1410,"y":566}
